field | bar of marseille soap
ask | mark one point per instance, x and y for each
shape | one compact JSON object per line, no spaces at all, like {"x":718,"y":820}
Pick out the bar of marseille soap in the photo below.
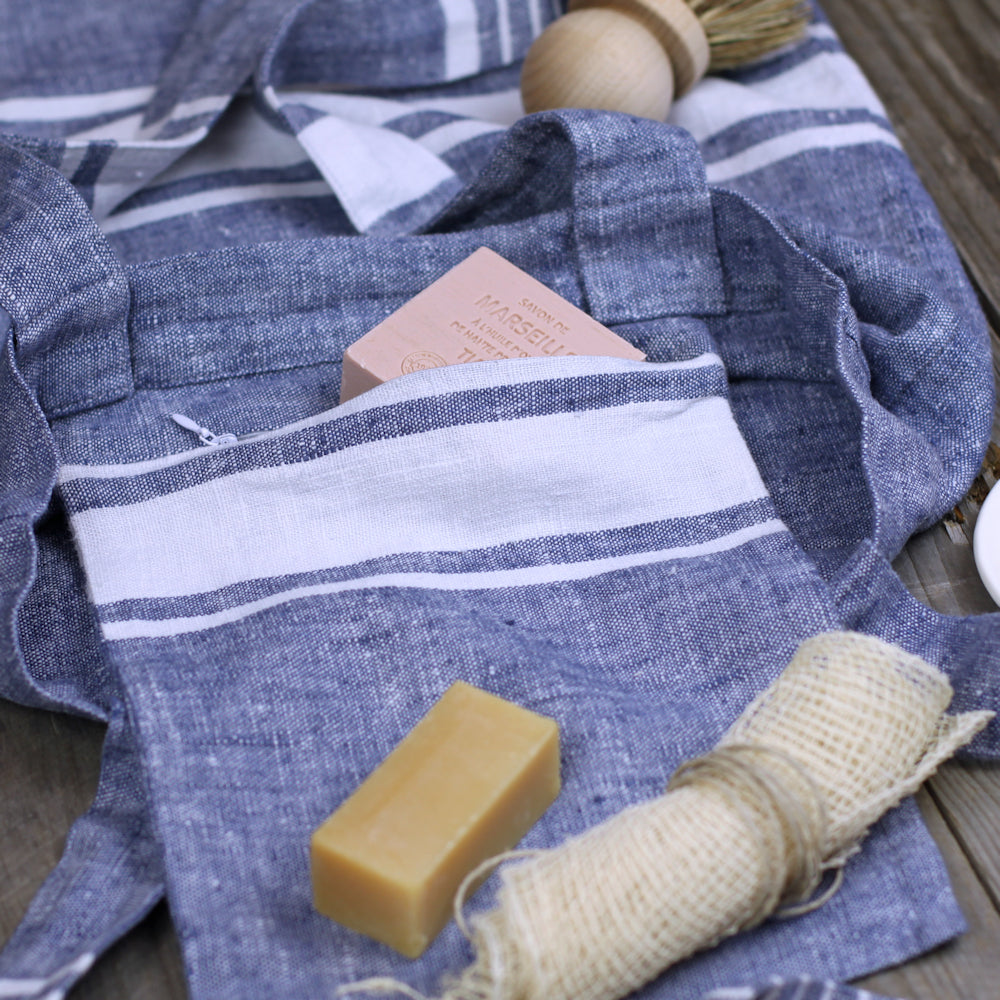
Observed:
{"x":483,"y":309}
{"x":466,"y":783}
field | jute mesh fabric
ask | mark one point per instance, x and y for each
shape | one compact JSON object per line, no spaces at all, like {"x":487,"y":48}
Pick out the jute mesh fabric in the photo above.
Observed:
{"x":850,"y":727}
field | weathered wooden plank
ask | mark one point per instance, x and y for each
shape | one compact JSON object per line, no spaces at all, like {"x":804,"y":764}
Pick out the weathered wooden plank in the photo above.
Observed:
{"x":968,"y":967}
{"x":935,"y":67}
{"x":968,"y":795}
{"x":943,"y":574}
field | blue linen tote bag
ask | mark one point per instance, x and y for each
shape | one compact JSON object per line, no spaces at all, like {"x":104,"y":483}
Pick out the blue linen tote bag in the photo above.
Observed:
{"x":632,"y":548}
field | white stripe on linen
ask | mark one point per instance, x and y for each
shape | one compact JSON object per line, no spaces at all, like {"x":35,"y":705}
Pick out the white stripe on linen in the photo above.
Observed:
{"x":440,"y":140}
{"x":355,"y":108}
{"x":783,"y":146}
{"x":828,"y":81}
{"x":109,"y":194}
{"x":488,"y":580}
{"x":416,"y":385}
{"x":66,"y":107}
{"x":217,"y":198}
{"x":242,"y":137}
{"x":502,"y":107}
{"x":450,"y":489}
{"x":130,"y":128}
{"x":822,"y":31}
{"x":142,"y":161}
{"x":504,"y":32}
{"x":132,"y":166}
{"x":126,"y":128}
{"x":119,"y":129}
{"x":32,"y":987}
{"x":372,"y":170}
{"x":21,"y":987}
{"x":535,"y":16}
{"x":71,"y":159}
{"x":732,"y":993}
{"x":462,"y":56}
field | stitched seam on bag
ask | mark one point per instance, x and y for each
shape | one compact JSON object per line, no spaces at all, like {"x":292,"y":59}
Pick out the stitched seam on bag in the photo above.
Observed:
{"x":23,"y":200}
{"x":107,"y":277}
{"x":148,"y":384}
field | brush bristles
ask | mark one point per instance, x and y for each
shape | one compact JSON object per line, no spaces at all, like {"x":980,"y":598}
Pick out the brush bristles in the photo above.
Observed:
{"x":740,"y":31}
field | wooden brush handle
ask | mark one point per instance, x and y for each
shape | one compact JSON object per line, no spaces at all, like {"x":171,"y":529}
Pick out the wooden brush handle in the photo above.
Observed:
{"x":674,"y":25}
{"x":618,"y":55}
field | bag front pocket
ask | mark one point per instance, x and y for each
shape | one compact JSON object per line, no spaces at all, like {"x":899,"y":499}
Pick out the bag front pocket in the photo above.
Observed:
{"x":450,"y":479}
{"x":284,"y":609}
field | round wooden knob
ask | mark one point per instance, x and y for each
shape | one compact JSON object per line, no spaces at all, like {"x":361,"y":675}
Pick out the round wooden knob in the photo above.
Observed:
{"x":598,"y":58}
{"x":617,"y":55}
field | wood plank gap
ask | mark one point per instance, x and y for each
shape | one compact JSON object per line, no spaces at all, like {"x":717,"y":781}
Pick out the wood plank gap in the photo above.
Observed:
{"x":925,"y":61}
{"x":968,"y":796}
{"x":966,"y":845}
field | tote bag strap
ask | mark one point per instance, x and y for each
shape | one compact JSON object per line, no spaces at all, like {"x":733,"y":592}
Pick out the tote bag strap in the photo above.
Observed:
{"x":642,"y":219}
{"x":873,"y":599}
{"x":64,"y":307}
{"x":109,"y":877}
{"x":922,"y":381}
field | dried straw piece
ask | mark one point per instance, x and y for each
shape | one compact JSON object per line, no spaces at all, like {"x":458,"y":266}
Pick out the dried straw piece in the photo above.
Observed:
{"x":740,"y":31}
{"x":851,"y":727}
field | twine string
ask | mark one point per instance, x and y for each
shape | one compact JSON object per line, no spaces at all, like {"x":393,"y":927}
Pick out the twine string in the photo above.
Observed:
{"x":788,"y":823}
{"x":482,"y":870}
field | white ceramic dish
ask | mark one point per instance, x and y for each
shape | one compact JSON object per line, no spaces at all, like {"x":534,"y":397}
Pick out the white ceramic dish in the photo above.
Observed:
{"x":986,"y":543}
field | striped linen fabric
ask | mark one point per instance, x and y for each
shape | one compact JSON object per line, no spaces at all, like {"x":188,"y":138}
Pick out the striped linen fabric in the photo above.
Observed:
{"x":635,"y":548}
{"x":800,"y":989}
{"x":549,"y":512}
{"x":387,"y":160}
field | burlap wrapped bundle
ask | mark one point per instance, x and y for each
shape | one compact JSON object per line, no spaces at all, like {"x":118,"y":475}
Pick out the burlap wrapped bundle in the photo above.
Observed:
{"x":851,"y":727}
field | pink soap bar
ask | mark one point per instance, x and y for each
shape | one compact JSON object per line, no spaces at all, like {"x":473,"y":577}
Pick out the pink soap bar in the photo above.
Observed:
{"x":481,"y":310}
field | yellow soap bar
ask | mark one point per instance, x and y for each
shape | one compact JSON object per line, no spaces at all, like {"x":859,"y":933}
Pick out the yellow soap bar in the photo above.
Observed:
{"x":466,"y":783}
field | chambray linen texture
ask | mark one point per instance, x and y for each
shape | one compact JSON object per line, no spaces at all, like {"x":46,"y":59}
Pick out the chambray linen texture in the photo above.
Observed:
{"x":202,"y":206}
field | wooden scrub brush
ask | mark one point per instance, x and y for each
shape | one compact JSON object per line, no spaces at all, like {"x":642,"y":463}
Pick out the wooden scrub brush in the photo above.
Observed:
{"x":635,"y":55}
